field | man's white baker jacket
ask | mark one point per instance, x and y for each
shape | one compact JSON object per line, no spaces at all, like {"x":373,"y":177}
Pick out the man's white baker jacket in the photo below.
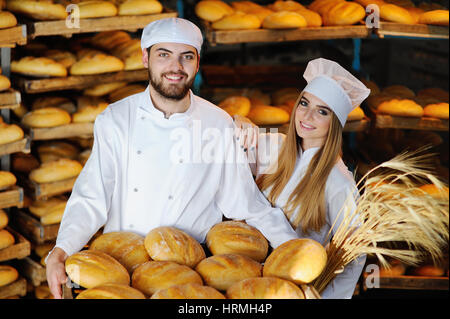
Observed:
{"x":147,"y":171}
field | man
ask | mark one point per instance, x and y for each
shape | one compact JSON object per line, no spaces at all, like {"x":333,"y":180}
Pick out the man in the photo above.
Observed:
{"x":135,"y":180}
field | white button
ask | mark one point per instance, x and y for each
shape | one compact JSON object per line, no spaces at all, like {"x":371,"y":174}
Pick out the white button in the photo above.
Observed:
{"x":135,"y":190}
{"x":181,"y":160}
{"x":131,"y":226}
{"x":143,"y":118}
{"x":170,"y":197}
{"x":139,"y":152}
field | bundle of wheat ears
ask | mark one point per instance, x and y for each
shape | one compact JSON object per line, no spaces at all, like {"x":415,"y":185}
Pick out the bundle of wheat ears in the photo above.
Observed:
{"x":391,"y":208}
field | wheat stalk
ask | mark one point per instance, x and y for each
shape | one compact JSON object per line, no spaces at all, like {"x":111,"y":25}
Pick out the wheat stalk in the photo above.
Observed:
{"x":390,"y":209}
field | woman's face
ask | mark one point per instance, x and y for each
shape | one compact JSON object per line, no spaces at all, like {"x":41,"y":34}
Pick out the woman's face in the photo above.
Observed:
{"x":312,"y":120}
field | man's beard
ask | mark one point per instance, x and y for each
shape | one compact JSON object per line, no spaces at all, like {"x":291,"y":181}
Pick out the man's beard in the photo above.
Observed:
{"x":170,"y":91}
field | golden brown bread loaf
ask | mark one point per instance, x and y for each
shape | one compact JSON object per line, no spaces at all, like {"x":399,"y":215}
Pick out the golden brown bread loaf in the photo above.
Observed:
{"x":344,"y":13}
{"x":237,"y":21}
{"x":41,"y":207}
{"x":108,"y":40}
{"x":39,"y":10}
{"x":7,"y":19}
{"x":111,"y":291}
{"x":88,"y":109}
{"x":212,"y":10}
{"x":134,"y":62}
{"x":394,"y":13}
{"x":154,"y":275}
{"x":171,"y":244}
{"x":434,"y":191}
{"x":222,"y":271}
{"x":43,"y":249}
{"x":10,"y":133}
{"x":3,"y":219}
{"x":96,"y":9}
{"x":322,"y":6}
{"x":46,"y":117}
{"x":438,"y":110}
{"x":139,"y":7}
{"x":127,"y":247}
{"x":356,"y":114}
{"x":405,"y":107}
{"x":7,"y":179}
{"x":264,"y":288}
{"x":53,"y":216}
{"x":298,"y":260}
{"x":249,"y":7}
{"x":104,"y":88}
{"x":188,"y":291}
{"x":5,"y":83}
{"x":97,"y":64}
{"x":6,"y":239}
{"x":436,"y":17}
{"x":268,"y":115}
{"x":233,"y":105}
{"x":429,"y":271}
{"x":66,"y":58}
{"x":55,"y":150}
{"x":59,"y":170}
{"x":233,"y":237}
{"x":54,"y":101}
{"x":397,"y":268}
{"x":38,"y":67}
{"x":284,"y":20}
{"x":91,"y":268}
{"x":8,"y":274}
{"x":285,"y":6}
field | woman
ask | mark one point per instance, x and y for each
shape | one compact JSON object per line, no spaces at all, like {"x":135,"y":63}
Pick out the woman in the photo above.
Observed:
{"x":304,"y":174}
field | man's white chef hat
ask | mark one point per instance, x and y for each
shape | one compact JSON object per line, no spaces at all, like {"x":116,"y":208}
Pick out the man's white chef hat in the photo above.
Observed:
{"x":173,"y":30}
{"x":335,"y":86}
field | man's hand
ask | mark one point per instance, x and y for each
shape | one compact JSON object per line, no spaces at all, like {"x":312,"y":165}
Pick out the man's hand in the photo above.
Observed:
{"x":56,"y":272}
{"x":246,"y":132}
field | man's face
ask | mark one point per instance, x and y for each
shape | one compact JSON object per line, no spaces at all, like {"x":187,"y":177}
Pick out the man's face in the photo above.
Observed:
{"x":172,"y":68}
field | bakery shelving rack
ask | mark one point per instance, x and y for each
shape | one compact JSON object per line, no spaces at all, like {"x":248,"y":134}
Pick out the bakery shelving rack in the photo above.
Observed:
{"x":10,"y":37}
{"x":423,"y":123}
{"x":35,"y":230}
{"x":62,"y":132}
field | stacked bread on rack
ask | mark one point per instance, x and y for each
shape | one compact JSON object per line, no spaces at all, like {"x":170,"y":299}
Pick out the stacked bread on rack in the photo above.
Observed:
{"x":170,"y":264}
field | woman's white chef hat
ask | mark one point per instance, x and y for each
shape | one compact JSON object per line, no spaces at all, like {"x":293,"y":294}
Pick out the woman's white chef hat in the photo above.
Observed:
{"x":173,"y":30}
{"x":335,"y":86}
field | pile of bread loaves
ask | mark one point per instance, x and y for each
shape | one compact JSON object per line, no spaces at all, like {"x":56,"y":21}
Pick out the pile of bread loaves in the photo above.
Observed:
{"x":170,"y":264}
{"x":247,"y":15}
{"x":8,"y":274}
{"x":56,"y":10}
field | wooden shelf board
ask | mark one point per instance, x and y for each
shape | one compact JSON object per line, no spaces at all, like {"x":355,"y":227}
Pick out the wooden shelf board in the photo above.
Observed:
{"x":424,"y":123}
{"x":32,"y":270}
{"x":22,"y":145}
{"x":20,"y":249}
{"x":32,"y":228}
{"x":63,"y":131}
{"x":412,"y":30}
{"x":12,"y":197}
{"x":9,"y":37}
{"x":10,"y":98}
{"x":45,"y":190}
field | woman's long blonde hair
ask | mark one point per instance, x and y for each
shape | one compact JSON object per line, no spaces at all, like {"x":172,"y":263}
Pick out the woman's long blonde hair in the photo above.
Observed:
{"x":309,"y":194}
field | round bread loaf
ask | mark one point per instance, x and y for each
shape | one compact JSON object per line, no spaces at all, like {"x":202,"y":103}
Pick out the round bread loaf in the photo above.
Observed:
{"x":41,"y":207}
{"x":7,"y":179}
{"x":344,"y":13}
{"x":437,"y":17}
{"x":6,"y":239}
{"x":7,"y":19}
{"x":268,"y":115}
{"x":237,"y":21}
{"x":108,"y":40}
{"x":171,"y":244}
{"x":393,"y":13}
{"x":65,"y":58}
{"x":264,"y":288}
{"x":212,"y":10}
{"x":3,"y":219}
{"x":46,"y":117}
{"x":154,"y":275}
{"x":59,"y":170}
{"x":89,"y":113}
{"x":53,"y":216}
{"x":428,"y":271}
{"x":134,"y":62}
{"x":313,"y":19}
{"x":140,"y":7}
{"x":91,"y":268}
{"x":5,"y":83}
{"x":10,"y":133}
{"x":96,"y":9}
{"x":104,"y":89}
{"x":284,"y":20}
{"x":415,"y":13}
{"x":43,"y":292}
{"x":127,"y":247}
{"x":38,"y":67}
{"x":97,"y":64}
{"x":285,"y":6}
{"x":233,"y":237}
{"x":438,"y":110}
{"x":322,"y":6}
{"x":39,"y":10}
{"x":188,"y":291}
{"x":406,"y":108}
{"x":298,"y":260}
{"x":236,"y":105}
{"x":8,"y":274}
{"x":111,"y":291}
{"x":356,"y":114}
{"x":222,"y":271}
{"x":43,"y":249}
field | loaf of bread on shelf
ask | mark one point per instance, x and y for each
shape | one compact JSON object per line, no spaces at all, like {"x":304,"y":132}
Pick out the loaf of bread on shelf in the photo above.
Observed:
{"x":66,"y":58}
{"x":53,"y":216}
{"x":284,"y":20}
{"x":111,"y":291}
{"x":344,"y":13}
{"x":38,"y":67}
{"x":234,"y":237}
{"x":10,"y":133}
{"x":268,"y":115}
{"x":46,"y":117}
{"x":440,"y":94}
{"x":3,"y":219}
{"x":39,"y":10}
{"x":126,"y":247}
{"x":436,"y":17}
{"x":188,"y":291}
{"x":396,"y":268}
{"x":415,"y":13}
{"x":91,"y":268}
{"x":171,"y":244}
{"x":212,"y":10}
{"x":8,"y":274}
{"x":54,"y":101}
{"x":7,"y":179}
{"x":139,"y":7}
{"x":288,"y":5}
{"x":394,"y":13}
{"x":237,"y":21}
{"x":96,"y":9}
{"x":126,"y":48}
{"x":5,"y":83}
{"x":6,"y":239}
{"x":61,"y":169}
{"x":54,"y":150}
{"x":41,"y":207}
{"x":428,"y":271}
{"x":104,"y":88}
{"x":399,"y":91}
{"x":7,"y":19}
{"x":404,"y":108}
{"x":108,"y":40}
{"x":433,"y":190}
{"x":222,"y":271}
{"x":298,"y":260}
{"x":264,"y":288}
{"x":154,"y":275}
{"x":357,"y":114}
{"x":97,"y":64}
{"x":134,"y":61}
{"x":233,"y":105}
{"x":88,"y":109}
{"x":313,"y":19}
{"x":42,"y":250}
{"x":438,"y":110}
{"x":322,"y":6}
{"x":125,"y":91}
